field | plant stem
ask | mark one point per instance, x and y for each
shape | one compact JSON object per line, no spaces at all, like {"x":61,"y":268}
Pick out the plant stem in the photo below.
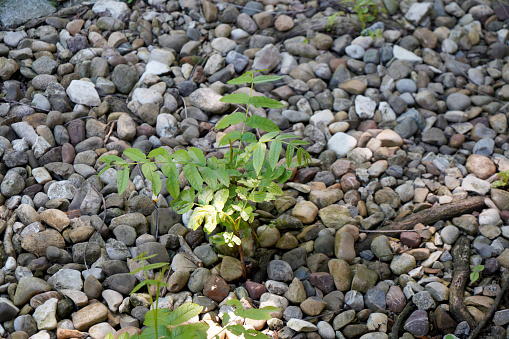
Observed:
{"x":157,"y":306}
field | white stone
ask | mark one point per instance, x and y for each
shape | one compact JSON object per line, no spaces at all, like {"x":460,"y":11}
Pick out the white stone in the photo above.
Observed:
{"x":41,"y":175}
{"x":159,"y":62}
{"x":147,"y":96}
{"x":301,"y":325}
{"x":418,"y":11}
{"x":40,"y":147}
{"x":41,"y":335}
{"x":99,"y":331}
{"x":364,"y":107}
{"x":25,"y":131}
{"x":387,"y":112}
{"x":377,"y":322}
{"x":473,"y":184}
{"x":113,"y":299}
{"x":341,"y":143}
{"x":45,"y":315}
{"x":401,"y":53}
{"x":166,"y":125}
{"x":324,"y":116}
{"x":116,"y":9}
{"x":83,"y":92}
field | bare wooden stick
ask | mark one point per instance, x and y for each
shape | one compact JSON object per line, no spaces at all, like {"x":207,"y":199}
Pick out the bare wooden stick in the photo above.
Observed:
{"x":410,"y":306}
{"x":189,"y":252}
{"x":475,"y":333}
{"x":461,"y":263}
{"x":427,"y":217}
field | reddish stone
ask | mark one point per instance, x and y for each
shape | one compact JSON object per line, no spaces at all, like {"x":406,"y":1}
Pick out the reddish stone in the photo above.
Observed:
{"x":410,"y":239}
{"x":366,"y":124}
{"x":323,"y":281}
{"x":76,"y":130}
{"x":505,"y":216}
{"x":145,"y":129}
{"x":216,"y":288}
{"x":395,"y":299}
{"x":457,"y":140}
{"x":307,"y":174}
{"x":41,"y":298}
{"x":68,"y":153}
{"x":349,"y":182}
{"x":342,"y":166}
{"x":255,"y":289}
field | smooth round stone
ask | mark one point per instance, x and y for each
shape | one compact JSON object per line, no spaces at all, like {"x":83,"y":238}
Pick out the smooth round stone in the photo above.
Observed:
{"x":406,"y":86}
{"x":355,"y":51}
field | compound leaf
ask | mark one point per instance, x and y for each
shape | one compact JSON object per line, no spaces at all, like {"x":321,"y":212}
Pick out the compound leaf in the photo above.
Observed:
{"x":193,"y":176}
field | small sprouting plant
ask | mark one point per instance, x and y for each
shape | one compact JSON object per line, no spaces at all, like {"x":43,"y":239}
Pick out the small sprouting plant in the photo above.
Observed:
{"x":475,"y":274}
{"x":449,"y":336}
{"x":377,"y":34}
{"x":163,"y":323}
{"x":331,"y":18}
{"x":222,"y":191}
{"x":366,"y":10}
{"x":504,"y":179}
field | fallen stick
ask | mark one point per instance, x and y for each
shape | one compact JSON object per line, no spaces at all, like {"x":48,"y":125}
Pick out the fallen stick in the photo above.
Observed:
{"x":189,"y":252}
{"x":426,"y":217}
{"x":461,"y":264}
{"x":475,"y":333}
{"x":410,"y":306}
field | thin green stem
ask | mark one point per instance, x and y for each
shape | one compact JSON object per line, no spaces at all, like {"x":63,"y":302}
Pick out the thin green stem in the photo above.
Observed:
{"x":245,"y":119}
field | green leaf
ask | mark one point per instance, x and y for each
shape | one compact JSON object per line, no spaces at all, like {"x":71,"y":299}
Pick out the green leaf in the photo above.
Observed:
{"x":241,"y":80}
{"x":149,"y":332}
{"x":230,"y":137}
{"x":148,"y":170}
{"x":236,"y":98}
{"x":274,"y":152}
{"x":210,"y":219}
{"x":223,"y":177}
{"x":181,"y":157}
{"x":264,"y":124}
{"x":107,"y":167}
{"x":122,"y":180}
{"x":206,"y":196}
{"x":226,"y":319}
{"x":111,"y":158}
{"x":139,"y":286}
{"x":231,"y":119}
{"x":261,"y":101}
{"x":209,"y":176}
{"x":194,"y":330}
{"x":193,"y":176}
{"x":268,"y":136}
{"x":259,"y":157}
{"x":162,"y":317}
{"x":197,"y":218}
{"x":109,"y":336}
{"x":159,"y":151}
{"x":220,"y":199}
{"x":257,"y":314}
{"x":289,"y":154}
{"x":298,"y":142}
{"x":184,"y":313}
{"x":135,"y":155}
{"x":248,"y":137}
{"x":124,"y":335}
{"x":172,"y":184}
{"x":197,"y":156}
{"x":266,"y":78}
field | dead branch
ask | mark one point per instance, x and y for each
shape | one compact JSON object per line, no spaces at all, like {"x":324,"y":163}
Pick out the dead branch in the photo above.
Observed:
{"x":410,"y":306}
{"x":189,"y":252}
{"x":427,"y":217}
{"x":475,"y":333}
{"x":461,"y":263}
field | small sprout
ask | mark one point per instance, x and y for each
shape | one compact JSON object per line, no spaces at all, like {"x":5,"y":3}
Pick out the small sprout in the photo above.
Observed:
{"x":474,"y":276}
